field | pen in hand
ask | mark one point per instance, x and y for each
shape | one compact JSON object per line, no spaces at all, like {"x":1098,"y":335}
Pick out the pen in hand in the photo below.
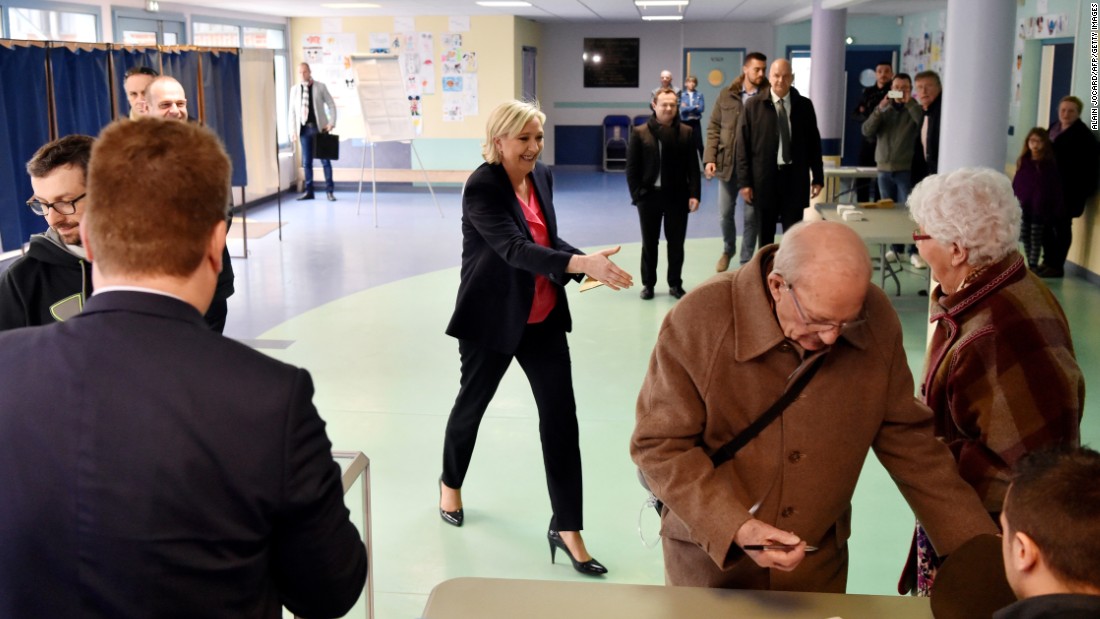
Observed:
{"x":776,"y":547}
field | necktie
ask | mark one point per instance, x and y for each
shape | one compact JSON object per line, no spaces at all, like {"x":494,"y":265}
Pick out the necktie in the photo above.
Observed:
{"x":784,"y":131}
{"x":305,"y":102}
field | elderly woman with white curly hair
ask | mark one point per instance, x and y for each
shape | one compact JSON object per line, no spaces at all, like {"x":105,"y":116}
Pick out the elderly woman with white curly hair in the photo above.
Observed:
{"x":1000,"y":375}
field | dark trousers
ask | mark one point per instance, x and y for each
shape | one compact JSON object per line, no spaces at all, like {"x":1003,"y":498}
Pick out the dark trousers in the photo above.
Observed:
{"x":865,"y":187}
{"x":1057,"y":238}
{"x":696,"y":135}
{"x":657,"y":206}
{"x":784,"y":207}
{"x":543,"y":354}
{"x":306,"y":140}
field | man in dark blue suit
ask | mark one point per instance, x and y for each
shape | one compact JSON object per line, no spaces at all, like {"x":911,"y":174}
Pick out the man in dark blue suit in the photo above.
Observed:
{"x":152,"y":467}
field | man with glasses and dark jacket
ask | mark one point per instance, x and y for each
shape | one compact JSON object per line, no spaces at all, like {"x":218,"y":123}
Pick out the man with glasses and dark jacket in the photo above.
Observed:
{"x":51,"y":282}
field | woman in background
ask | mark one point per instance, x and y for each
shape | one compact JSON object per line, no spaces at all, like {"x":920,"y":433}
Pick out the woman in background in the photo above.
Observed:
{"x":512,"y":304}
{"x":1000,"y":376}
{"x":1039,"y":189}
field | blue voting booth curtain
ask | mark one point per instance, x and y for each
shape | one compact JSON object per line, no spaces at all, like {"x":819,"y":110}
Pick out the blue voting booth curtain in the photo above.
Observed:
{"x":81,"y":90}
{"x":125,"y":59}
{"x":221,"y":89}
{"x":24,"y":127}
{"x":184,"y":66}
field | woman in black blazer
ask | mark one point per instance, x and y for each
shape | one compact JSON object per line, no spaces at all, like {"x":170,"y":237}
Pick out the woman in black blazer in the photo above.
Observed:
{"x":512,"y":304}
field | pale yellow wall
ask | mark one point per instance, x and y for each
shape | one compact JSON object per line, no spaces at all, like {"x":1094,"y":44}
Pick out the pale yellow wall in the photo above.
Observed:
{"x":492,"y":37}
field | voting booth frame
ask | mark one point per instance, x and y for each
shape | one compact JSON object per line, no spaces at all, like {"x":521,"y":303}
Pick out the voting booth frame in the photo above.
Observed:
{"x":57,"y":89}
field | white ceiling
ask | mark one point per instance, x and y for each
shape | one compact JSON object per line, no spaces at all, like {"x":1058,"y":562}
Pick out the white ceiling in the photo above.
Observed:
{"x":577,"y":10}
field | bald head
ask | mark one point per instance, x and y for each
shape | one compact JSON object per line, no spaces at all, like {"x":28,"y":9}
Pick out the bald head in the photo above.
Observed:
{"x":822,"y":246}
{"x":780,"y":77}
{"x":827,"y":263}
{"x":164,"y":98}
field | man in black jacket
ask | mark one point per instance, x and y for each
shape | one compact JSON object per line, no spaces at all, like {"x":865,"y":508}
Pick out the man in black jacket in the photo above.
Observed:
{"x":868,"y":101}
{"x":778,"y":151}
{"x":152,"y":467}
{"x":927,"y":89}
{"x":51,"y":282}
{"x":662,"y":171}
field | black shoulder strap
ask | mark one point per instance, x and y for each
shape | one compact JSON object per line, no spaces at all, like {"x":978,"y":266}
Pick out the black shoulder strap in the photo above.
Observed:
{"x":727,"y":451}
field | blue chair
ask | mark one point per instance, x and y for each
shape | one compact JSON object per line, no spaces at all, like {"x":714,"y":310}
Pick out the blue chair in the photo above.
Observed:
{"x":616,"y":132}
{"x":641,"y":119}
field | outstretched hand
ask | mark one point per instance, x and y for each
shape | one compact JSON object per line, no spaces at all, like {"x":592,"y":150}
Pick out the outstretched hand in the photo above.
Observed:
{"x":599,"y":266}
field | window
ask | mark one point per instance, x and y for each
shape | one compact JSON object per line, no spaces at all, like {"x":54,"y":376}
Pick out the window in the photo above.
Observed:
{"x":215,"y":35}
{"x":218,"y":32}
{"x":51,"y":25}
{"x":266,"y":38}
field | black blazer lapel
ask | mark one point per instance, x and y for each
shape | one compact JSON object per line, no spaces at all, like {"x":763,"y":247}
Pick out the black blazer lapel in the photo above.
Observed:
{"x":505,"y":185}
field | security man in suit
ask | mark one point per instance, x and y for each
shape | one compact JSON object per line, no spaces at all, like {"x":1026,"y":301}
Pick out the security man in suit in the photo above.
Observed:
{"x":778,"y":149}
{"x":154,"y":468}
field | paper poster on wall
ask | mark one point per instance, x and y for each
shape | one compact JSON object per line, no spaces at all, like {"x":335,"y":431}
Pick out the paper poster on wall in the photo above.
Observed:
{"x":404,"y":24}
{"x":415,"y":52}
{"x":379,"y":42}
{"x":452,"y":107}
{"x":1043,"y":26}
{"x":458,"y":23}
{"x":452,"y":83}
{"x":332,"y":24}
{"x":452,"y":41}
{"x":469,"y":94}
{"x":469,"y":62}
{"x":923,"y":50}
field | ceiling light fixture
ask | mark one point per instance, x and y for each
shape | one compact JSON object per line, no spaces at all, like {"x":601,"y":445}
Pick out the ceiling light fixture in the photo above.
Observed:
{"x":504,"y":4}
{"x":351,"y":5}
{"x":645,"y":3}
{"x":662,"y":17}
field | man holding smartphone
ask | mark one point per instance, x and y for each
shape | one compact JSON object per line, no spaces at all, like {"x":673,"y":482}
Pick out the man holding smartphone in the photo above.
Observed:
{"x":884,"y":73}
{"x":894,"y":125}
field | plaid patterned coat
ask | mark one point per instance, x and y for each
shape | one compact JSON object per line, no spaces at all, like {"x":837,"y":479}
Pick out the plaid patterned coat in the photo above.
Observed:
{"x":1001,"y":377}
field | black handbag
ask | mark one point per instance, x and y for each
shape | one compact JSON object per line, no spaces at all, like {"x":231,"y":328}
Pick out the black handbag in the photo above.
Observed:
{"x":326,"y":146}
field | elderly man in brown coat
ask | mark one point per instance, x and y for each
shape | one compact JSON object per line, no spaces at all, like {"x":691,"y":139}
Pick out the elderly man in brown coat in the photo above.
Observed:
{"x":724,"y":354}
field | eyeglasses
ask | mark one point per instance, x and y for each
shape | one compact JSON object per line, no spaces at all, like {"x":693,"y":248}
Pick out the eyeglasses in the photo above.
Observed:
{"x":822,"y":327}
{"x":920,"y":236}
{"x":63,"y":207}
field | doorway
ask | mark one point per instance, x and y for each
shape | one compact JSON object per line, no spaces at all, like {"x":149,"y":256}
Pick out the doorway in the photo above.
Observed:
{"x":715,"y":68}
{"x":859,"y":68}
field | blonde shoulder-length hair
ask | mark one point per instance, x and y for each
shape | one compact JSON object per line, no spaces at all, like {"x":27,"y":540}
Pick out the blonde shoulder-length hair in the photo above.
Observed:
{"x":506,"y":120}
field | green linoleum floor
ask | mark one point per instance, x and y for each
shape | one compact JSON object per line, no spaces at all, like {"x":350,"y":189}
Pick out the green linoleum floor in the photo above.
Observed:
{"x":386,"y":375}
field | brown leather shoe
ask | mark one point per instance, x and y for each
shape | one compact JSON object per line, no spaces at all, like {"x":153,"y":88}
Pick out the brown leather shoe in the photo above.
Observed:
{"x":723,"y":263}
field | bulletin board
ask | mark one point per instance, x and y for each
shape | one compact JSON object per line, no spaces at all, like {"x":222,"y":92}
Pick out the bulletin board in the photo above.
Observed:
{"x":382,"y":97}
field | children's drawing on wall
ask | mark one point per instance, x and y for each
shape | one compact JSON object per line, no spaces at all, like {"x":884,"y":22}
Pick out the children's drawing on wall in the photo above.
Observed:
{"x":469,"y":62}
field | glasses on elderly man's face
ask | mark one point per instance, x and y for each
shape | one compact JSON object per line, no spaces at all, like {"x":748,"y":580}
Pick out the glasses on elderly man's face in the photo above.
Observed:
{"x":63,"y":207}
{"x":920,"y":236}
{"x":821,"y":327}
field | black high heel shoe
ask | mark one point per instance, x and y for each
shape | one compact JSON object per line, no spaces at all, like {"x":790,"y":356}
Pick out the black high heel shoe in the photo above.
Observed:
{"x":591,"y":567}
{"x":452,"y":518}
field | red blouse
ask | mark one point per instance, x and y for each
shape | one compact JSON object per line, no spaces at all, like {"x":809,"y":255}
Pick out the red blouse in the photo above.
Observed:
{"x":545,"y":295}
